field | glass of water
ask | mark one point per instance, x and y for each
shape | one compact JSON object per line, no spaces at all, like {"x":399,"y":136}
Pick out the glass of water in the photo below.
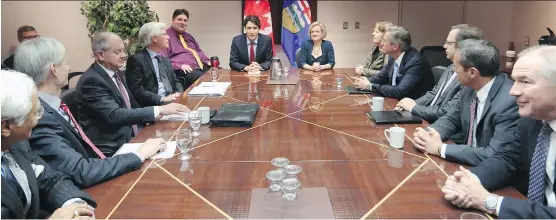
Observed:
{"x":339,"y":80}
{"x":183,"y":140}
{"x":195,"y":122}
{"x":289,"y":188}
{"x":214,"y":73}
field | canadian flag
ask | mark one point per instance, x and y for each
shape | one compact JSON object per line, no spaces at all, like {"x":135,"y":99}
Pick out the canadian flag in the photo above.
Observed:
{"x":262,"y":10}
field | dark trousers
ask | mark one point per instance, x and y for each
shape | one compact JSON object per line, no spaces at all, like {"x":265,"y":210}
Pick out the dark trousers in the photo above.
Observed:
{"x":190,"y":78}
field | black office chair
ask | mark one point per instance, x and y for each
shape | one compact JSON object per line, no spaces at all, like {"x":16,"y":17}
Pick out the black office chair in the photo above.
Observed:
{"x":108,"y":148}
{"x":297,"y":58}
{"x":71,"y":75}
{"x":435,"y":56}
{"x":437,"y":72}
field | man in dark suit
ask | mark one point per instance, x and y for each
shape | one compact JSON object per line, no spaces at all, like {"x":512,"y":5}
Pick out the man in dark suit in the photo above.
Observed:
{"x":487,"y":114}
{"x":407,"y":74}
{"x":150,"y":76}
{"x":29,"y":186}
{"x":107,"y":111}
{"x":530,"y":167}
{"x":251,"y":51}
{"x":24,"y":32}
{"x":57,"y":137}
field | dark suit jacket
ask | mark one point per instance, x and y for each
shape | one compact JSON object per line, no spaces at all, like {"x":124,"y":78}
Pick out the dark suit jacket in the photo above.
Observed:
{"x":414,"y":77}
{"x":103,"y":114}
{"x":511,"y":167}
{"x":239,"y":55}
{"x":494,"y":130}
{"x":8,"y":63}
{"x":59,"y":144}
{"x":49,"y":190}
{"x":141,"y":78}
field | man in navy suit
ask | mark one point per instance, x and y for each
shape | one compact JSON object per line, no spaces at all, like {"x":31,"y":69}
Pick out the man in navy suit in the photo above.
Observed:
{"x":531,"y":166}
{"x":407,"y":74}
{"x":251,"y":51}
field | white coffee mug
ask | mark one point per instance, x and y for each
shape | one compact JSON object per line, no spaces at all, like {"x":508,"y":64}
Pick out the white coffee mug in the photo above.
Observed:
{"x":204,"y":111}
{"x":377,"y":103}
{"x":395,"y":136}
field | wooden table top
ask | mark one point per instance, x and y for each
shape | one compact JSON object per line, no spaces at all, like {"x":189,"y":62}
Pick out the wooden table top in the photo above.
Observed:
{"x":317,"y":126}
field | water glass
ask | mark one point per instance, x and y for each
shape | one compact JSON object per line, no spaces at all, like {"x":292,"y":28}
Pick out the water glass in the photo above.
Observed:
{"x":339,"y":80}
{"x":289,"y":188}
{"x":275,"y":176}
{"x":292,"y":171}
{"x":195,"y":122}
{"x":183,"y":140}
{"x":186,"y":173}
{"x":214,"y":73}
{"x":280,"y":162}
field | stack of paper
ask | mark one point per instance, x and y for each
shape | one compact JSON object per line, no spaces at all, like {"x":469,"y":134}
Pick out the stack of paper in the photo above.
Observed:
{"x":167,"y":152}
{"x":175,"y":117}
{"x":210,"y":89}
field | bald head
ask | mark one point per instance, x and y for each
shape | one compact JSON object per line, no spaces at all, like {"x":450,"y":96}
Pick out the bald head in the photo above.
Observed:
{"x":109,"y":50}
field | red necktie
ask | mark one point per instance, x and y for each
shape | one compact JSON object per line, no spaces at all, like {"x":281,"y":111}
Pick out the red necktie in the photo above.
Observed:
{"x":123,"y":91}
{"x":252,"y":53}
{"x":65,"y":108}
{"x":473,"y":112}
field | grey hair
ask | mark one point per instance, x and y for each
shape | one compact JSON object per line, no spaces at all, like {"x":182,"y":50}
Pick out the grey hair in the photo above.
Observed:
{"x":400,"y":36}
{"x":466,"y":31}
{"x":546,"y":55}
{"x":150,"y":30}
{"x":481,"y":54}
{"x":101,"y":41}
{"x":16,"y":91}
{"x":34,"y":57}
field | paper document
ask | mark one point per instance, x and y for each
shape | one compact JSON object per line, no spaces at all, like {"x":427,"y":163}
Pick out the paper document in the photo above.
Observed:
{"x":210,"y":89}
{"x":167,"y":152}
{"x":175,"y":117}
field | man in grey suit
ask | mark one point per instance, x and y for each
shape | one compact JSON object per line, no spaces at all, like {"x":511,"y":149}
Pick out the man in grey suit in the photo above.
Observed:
{"x":445,"y":94}
{"x":30,"y":188}
{"x":57,"y":137}
{"x":486,"y":113}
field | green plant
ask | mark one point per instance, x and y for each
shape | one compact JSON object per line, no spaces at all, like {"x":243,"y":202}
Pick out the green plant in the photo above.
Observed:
{"x":124,"y":18}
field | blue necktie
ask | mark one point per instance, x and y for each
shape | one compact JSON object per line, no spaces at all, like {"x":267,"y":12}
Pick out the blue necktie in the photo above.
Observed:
{"x":537,"y":172}
{"x":395,"y":74}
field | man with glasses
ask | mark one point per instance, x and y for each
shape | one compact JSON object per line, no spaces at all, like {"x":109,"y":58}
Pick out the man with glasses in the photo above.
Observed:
{"x":25,"y":32}
{"x":150,"y":76}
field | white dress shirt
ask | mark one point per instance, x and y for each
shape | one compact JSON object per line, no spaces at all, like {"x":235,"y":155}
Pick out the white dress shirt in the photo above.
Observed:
{"x":482,"y":95}
{"x":111,"y":74}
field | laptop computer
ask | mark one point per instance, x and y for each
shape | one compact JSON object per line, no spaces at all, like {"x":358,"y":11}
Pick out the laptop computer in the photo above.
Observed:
{"x":393,"y":117}
{"x":353,"y":90}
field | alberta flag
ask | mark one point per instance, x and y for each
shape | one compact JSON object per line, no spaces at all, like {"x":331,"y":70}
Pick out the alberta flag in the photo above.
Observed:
{"x":296,"y":18}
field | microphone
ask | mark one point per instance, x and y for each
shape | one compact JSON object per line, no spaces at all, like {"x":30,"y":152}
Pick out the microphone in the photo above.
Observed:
{"x":214,"y":62}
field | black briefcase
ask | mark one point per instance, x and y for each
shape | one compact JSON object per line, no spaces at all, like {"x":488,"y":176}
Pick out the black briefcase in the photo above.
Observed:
{"x":235,"y":115}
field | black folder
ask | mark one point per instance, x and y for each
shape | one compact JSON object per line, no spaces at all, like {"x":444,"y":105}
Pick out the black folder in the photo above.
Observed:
{"x":393,"y":117}
{"x":353,"y":90}
{"x":235,"y":115}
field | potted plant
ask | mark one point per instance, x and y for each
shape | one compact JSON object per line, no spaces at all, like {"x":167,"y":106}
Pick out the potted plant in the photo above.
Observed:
{"x":124,"y":18}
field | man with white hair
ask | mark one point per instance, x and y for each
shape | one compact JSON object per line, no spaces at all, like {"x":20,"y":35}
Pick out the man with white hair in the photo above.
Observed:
{"x":107,"y":111}
{"x":150,"y":76}
{"x":58,"y":137}
{"x":530,"y":167}
{"x":29,"y":185}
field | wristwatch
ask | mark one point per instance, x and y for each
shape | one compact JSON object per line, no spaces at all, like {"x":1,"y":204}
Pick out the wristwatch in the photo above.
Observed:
{"x":491,"y":201}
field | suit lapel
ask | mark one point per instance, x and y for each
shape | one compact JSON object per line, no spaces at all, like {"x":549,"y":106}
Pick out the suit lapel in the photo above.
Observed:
{"x":11,"y":200}
{"x":465,"y":102}
{"x":25,"y":165}
{"x":58,"y":117}
{"x":243,"y":47}
{"x":448,"y":88}
{"x":491,"y":94}
{"x":149,"y":61}
{"x":109,"y":81}
{"x":260,"y":43}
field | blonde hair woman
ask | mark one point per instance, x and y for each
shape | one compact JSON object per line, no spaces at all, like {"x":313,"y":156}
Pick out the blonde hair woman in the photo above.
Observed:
{"x":376,"y":59}
{"x":317,"y":54}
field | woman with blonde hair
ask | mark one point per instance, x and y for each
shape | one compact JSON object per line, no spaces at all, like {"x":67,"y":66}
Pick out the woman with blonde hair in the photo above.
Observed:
{"x":317,"y":54}
{"x":376,"y":59}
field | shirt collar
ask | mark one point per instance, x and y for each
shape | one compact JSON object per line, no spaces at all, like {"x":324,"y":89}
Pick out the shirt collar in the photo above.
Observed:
{"x":110,"y":72}
{"x":552,"y":125}
{"x":152,"y":53}
{"x":482,"y":94}
{"x":249,"y":41}
{"x":399,"y":59}
{"x":51,"y":100}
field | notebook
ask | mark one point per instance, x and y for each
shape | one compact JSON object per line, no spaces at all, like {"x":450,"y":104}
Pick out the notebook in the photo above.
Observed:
{"x":353,"y":90}
{"x":393,"y":117}
{"x":209,"y":89}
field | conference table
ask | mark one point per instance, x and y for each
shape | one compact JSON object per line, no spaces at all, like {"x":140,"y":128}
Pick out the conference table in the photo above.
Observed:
{"x":348,"y":168}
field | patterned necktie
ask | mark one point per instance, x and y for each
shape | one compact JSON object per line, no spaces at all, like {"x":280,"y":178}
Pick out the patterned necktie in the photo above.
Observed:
{"x":473,"y":116}
{"x":252,"y":52}
{"x":125,"y":95}
{"x":20,"y":178}
{"x":395,"y":74}
{"x":162,"y":77}
{"x":65,"y":108}
{"x":537,"y":172}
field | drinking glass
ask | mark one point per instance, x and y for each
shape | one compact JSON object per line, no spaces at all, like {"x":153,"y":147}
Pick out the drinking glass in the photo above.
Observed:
{"x":471,"y":215}
{"x":183,"y":140}
{"x":339,"y":80}
{"x":186,"y":173}
{"x":292,"y":171}
{"x":280,"y":162}
{"x":195,"y":122}
{"x":214,"y":73}
{"x":289,"y":187}
{"x":274,"y":177}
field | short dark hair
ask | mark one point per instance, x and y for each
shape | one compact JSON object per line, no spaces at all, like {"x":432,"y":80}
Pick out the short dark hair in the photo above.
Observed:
{"x":399,"y":35}
{"x":466,"y":31}
{"x":22,"y":29}
{"x":179,"y":12}
{"x":481,"y":54}
{"x":252,"y":18}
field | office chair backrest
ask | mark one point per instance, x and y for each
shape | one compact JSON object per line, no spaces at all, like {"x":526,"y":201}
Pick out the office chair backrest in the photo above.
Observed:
{"x":73,"y":77}
{"x":297,"y":57}
{"x":435,"y":56}
{"x":437,"y":72}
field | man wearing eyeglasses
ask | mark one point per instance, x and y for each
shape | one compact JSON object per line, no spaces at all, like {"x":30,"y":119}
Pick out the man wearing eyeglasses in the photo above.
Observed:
{"x":25,"y":32}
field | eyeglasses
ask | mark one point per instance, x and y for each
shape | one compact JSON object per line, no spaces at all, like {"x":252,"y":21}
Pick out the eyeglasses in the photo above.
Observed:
{"x":450,"y":42}
{"x":30,"y":37}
